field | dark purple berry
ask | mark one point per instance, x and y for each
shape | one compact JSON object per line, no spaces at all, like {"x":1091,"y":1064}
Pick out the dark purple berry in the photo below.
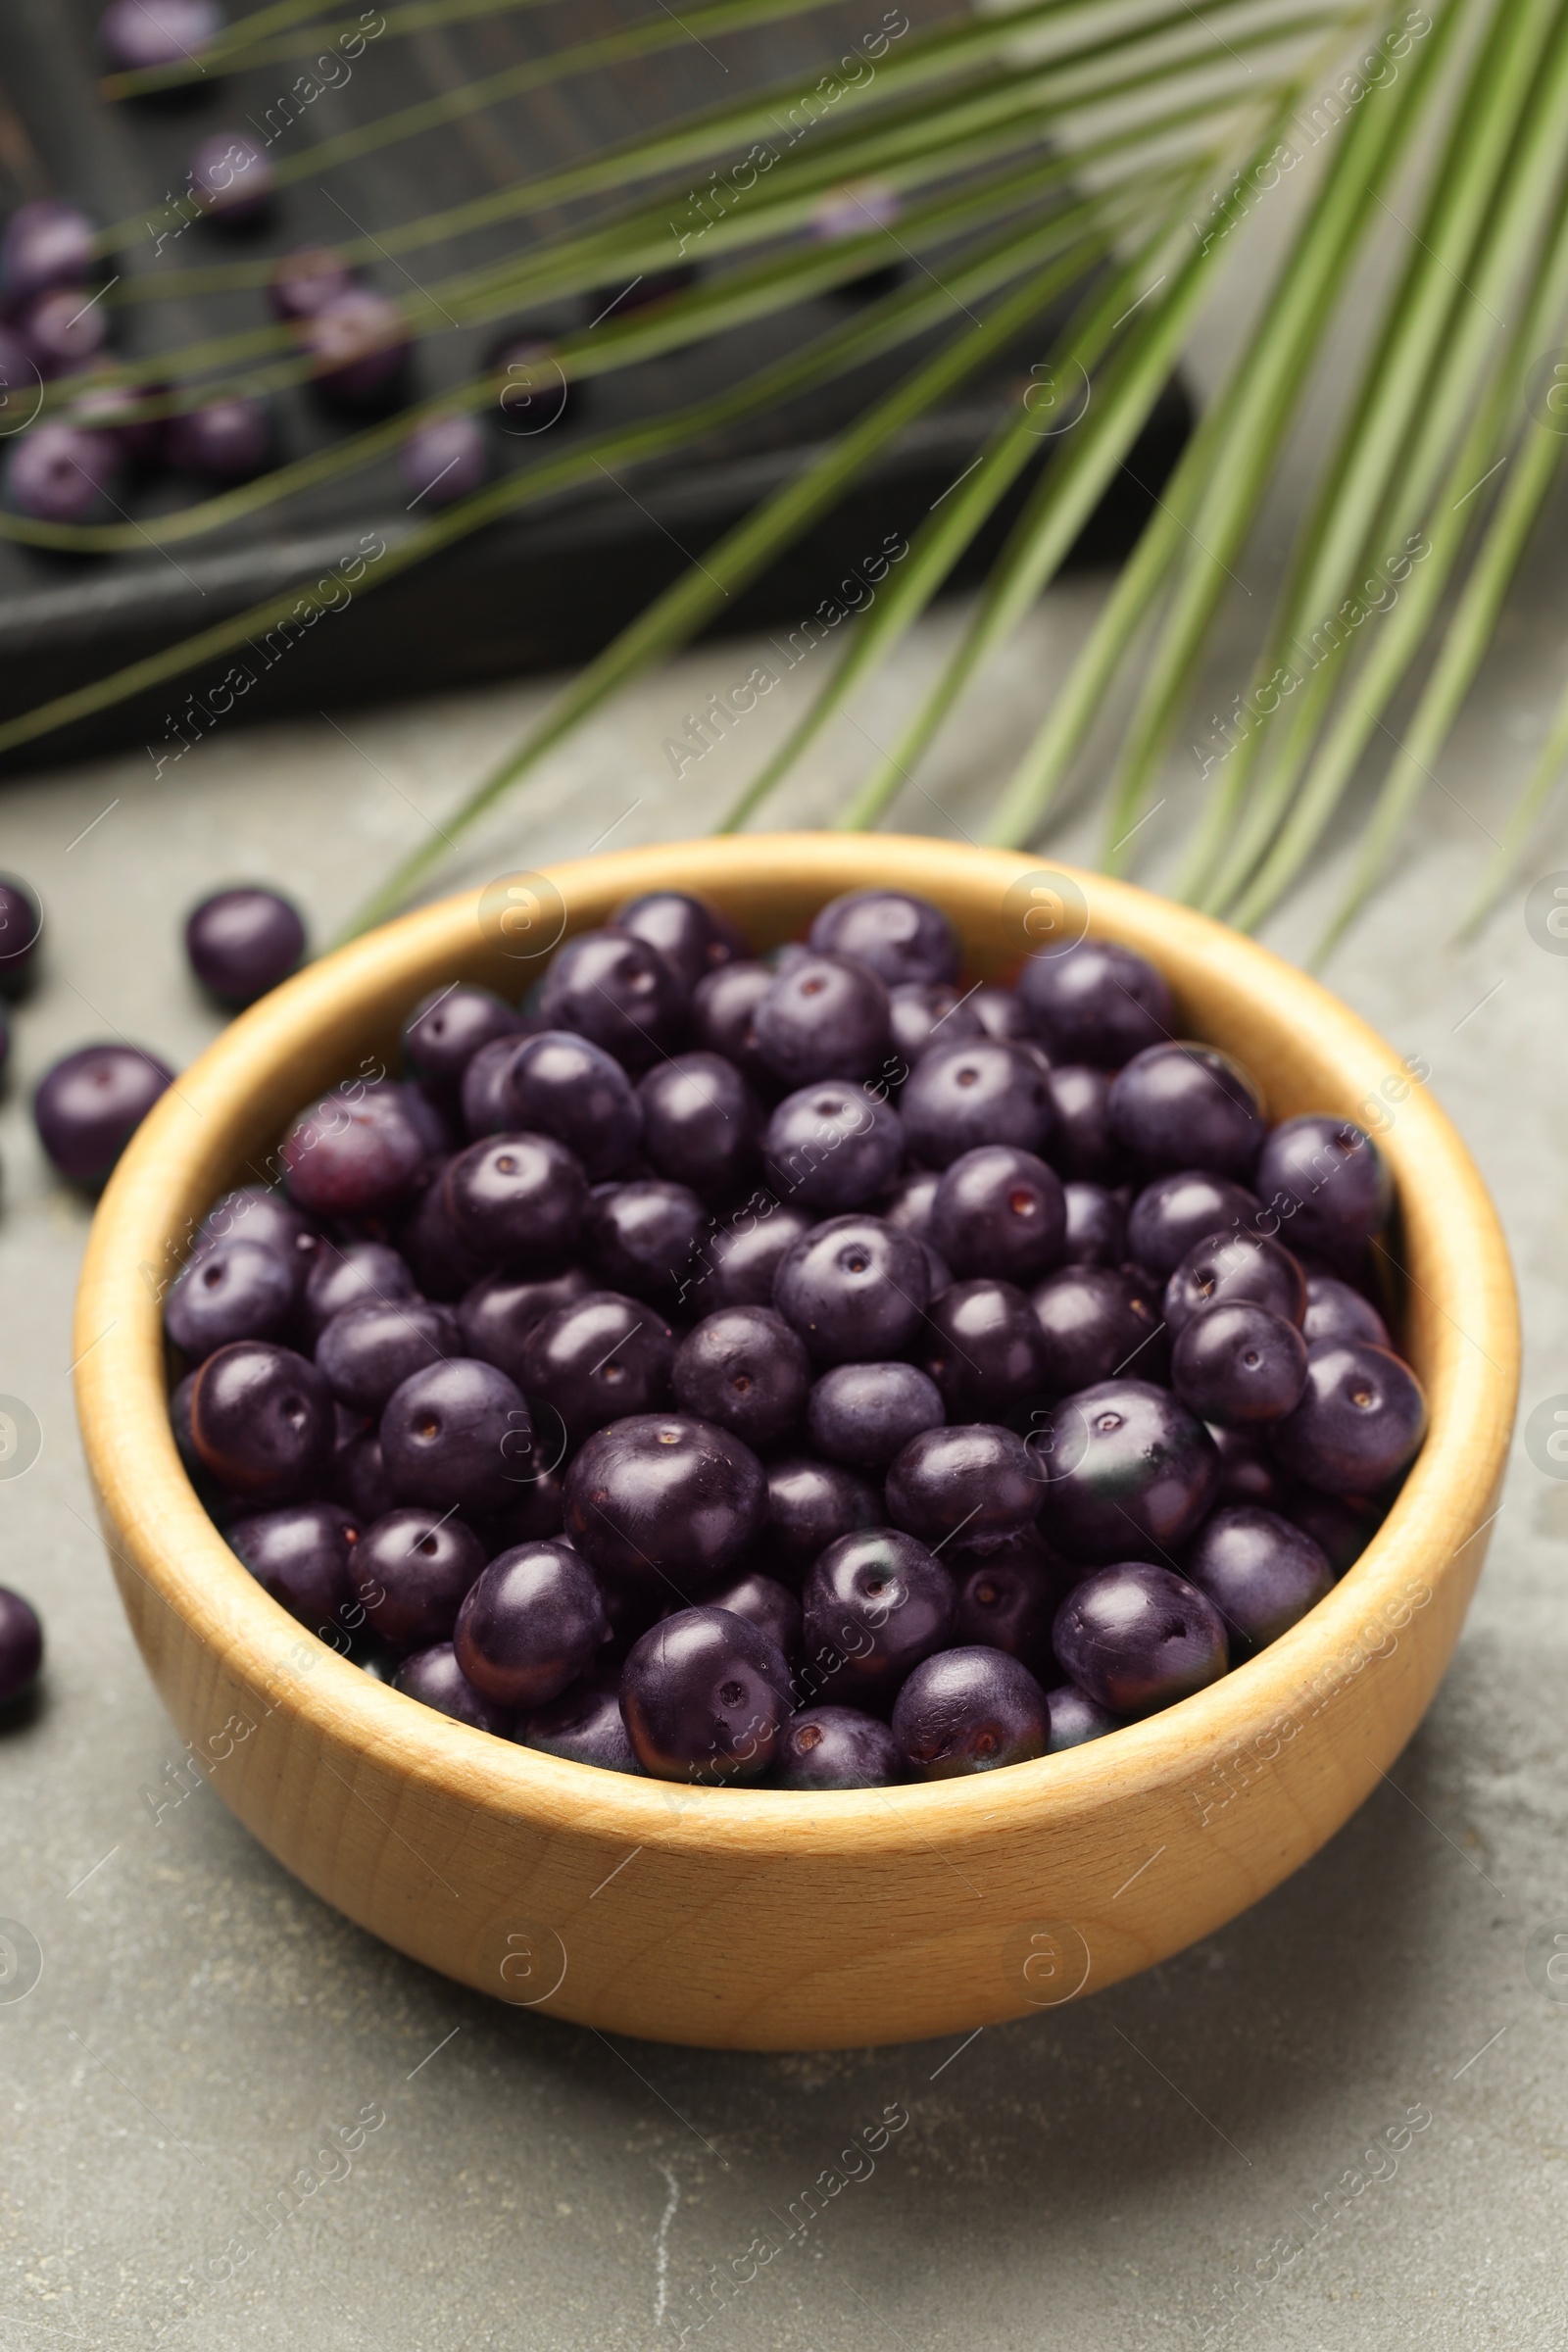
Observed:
{"x":1341,"y":1525}
{"x":1334,"y":1311}
{"x":552,"y":1083}
{"x":540,"y":1507}
{"x":693,"y":938}
{"x":1239,"y":1365}
{"x":1129,"y":1473}
{"x":411,"y":1571}
{"x":446,"y":458}
{"x":348,"y":1157}
{"x":21,"y":924}
{"x":244,"y":942}
{"x":922,"y":1013}
{"x":88,"y":1105}
{"x":231,"y":180}
{"x":1099,"y":1323}
{"x":1360,"y":1420}
{"x":977,"y":1091}
{"x":1248,"y":1471}
{"x":823,"y":1018}
{"x":1097,"y":1002}
{"x":235,"y":1290}
{"x":1137,"y":1637}
{"x":809,"y":1505}
{"x":969,"y":1710}
{"x":46,"y":243}
{"x":837,"y":1747}
{"x":531,"y":1623}
{"x":434,"y":1678}
{"x":306,"y":280}
{"x":498,"y":1313}
{"x":763,"y":1603}
{"x":60,"y":473}
{"x":723,"y":1006}
{"x":584,"y":1726}
{"x":21,"y":1645}
{"x":141,"y":34}
{"x":706,"y":1698}
{"x":660,"y":1499}
{"x":745,"y":1369}
{"x":1001,"y":1012}
{"x":517,"y":1200}
{"x":1232,"y":1269}
{"x":1009,"y":1596}
{"x":832,"y":1147}
{"x":457,"y":1435}
{"x":982,"y":1345}
{"x":874,"y":1606}
{"x":306,"y":1555}
{"x":647,"y":1237}
{"x":978,"y":1480}
{"x":367,"y":1352}
{"x":258,"y":1213}
{"x":701,"y":1123}
{"x":741,"y":1259}
{"x":618,"y":992}
{"x":1182,"y":1106}
{"x":864,"y":1414}
{"x":1084,"y":1146}
{"x":1328,"y":1178}
{"x":443,"y":1264}
{"x":221,"y":441}
{"x":262,"y":1420}
{"x":1261,"y":1572}
{"x":1174,"y":1213}
{"x":443,"y":1033}
{"x":1096,"y":1226}
{"x":358,"y":343}
{"x":359,"y":1479}
{"x":854,"y":1290}
{"x":999,"y":1211}
{"x":1075,"y":1719}
{"x":62,"y":332}
{"x":596,"y":1359}
{"x":898,"y":937}
{"x":359,"y":1274}
{"x":909,"y":1204}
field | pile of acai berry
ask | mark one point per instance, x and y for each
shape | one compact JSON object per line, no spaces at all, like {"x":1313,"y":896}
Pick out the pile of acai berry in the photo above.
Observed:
{"x":806,"y":1370}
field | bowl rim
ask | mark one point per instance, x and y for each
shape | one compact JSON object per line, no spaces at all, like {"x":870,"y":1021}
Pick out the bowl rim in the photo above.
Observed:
{"x":188,"y":1149}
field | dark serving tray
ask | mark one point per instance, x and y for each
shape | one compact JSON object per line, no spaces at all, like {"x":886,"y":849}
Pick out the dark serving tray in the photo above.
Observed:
{"x":547,"y":586}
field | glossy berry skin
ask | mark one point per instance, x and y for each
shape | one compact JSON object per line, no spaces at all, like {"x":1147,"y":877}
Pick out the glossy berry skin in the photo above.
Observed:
{"x":20,"y":923}
{"x":345,"y":1157}
{"x":434,"y":1678}
{"x":723,"y":1007}
{"x":873,"y":1606}
{"x":700,"y":1124}
{"x":1099,"y":1323}
{"x":59,"y":331}
{"x":1128,"y":1471}
{"x":832,"y":1147}
{"x":1084,"y":1146}
{"x":982,"y":1345}
{"x":977,"y":1091}
{"x":1239,"y":1365}
{"x":254,"y":1212}
{"x":618,"y":992}
{"x":706,"y":1698}
{"x":358,"y":1479}
{"x":1000,"y":1013}
{"x":1096,"y":1003}
{"x":262,"y":1420}
{"x":1008,"y":1597}
{"x":1075,"y":1719}
{"x":1230,"y":1269}
{"x":809,"y":1505}
{"x":1335,"y":1177}
{"x":501,"y":1310}
{"x":221,"y":441}
{"x":969,"y":1710}
{"x":139,"y":33}
{"x":357,"y":344}
{"x":1248,"y":1471}
{"x":1261,"y":1572}
{"x":647,"y":1237}
{"x":555,"y":1084}
{"x":1174,"y":1213}
{"x":863,"y":1415}
{"x":693,"y":938}
{"x":854,"y":1291}
{"x":1181,"y":1107}
{"x":531,"y":1625}
{"x":241,"y":942}
{"x":742,"y":1258}
{"x":46,"y":243}
{"x":977,"y":1483}
{"x":1096,"y":1232}
{"x":443,"y":1033}
{"x":360,"y":1274}
{"x":517,"y":1200}
{"x":235,"y":1290}
{"x":306,"y":1556}
{"x":443,"y":1264}
{"x":999,"y":1211}
{"x":231,"y":178}
{"x":1341,"y":1525}
{"x":898,"y":937}
{"x":837,"y":1747}
{"x":411,"y":1571}
{"x":594,"y":1360}
{"x":1334,"y":1311}
{"x":446,"y":458}
{"x":367,"y":1352}
{"x":1136,"y":1639}
{"x":305,"y":281}
{"x":583,"y":1726}
{"x":60,"y":473}
{"x":745,"y":1369}
{"x":1360,"y":1422}
{"x":457,"y":1436}
{"x":763,"y":1603}
{"x":822,"y":1019}
{"x":909,"y":1200}
{"x":21,"y":1645}
{"x":664,"y":1499}
{"x":87,"y":1107}
{"x":922,"y":1013}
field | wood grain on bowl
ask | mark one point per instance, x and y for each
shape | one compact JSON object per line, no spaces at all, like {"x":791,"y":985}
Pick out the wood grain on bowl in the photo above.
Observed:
{"x":753,"y":1918}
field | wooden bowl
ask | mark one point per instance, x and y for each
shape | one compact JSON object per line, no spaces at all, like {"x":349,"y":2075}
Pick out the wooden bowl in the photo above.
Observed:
{"x":759,"y":1919}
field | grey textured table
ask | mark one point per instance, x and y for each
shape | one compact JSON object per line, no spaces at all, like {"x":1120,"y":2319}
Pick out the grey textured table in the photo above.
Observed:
{"x":1181,"y":2159}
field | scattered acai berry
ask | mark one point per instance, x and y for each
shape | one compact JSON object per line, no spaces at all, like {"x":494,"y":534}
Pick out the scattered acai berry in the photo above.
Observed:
{"x":221,"y":441}
{"x":240,"y":943}
{"x":62,"y":474}
{"x":88,"y":1105}
{"x":46,"y":243}
{"x":231,"y":180}
{"x":21,"y":1645}
{"x":21,"y":926}
{"x":443,"y":459}
{"x":140,"y":35}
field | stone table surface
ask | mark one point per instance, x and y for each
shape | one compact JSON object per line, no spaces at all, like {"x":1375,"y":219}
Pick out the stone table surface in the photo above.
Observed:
{"x":1181,"y":2159}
